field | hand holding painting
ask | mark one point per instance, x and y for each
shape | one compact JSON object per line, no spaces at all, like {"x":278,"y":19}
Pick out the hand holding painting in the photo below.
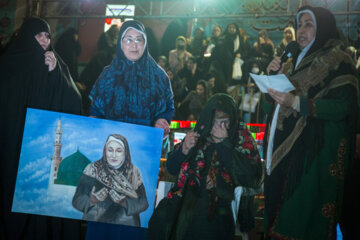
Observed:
{"x":98,"y":196}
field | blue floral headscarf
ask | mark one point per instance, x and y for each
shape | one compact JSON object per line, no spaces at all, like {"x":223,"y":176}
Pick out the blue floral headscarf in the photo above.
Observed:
{"x":132,"y":91}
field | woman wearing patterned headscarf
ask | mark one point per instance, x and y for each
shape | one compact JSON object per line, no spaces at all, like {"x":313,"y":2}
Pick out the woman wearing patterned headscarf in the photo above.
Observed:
{"x":311,"y":137}
{"x":32,"y":75}
{"x":111,"y":189}
{"x":217,"y":156}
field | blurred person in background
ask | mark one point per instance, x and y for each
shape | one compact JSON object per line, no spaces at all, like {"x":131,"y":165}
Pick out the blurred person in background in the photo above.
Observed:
{"x":179,"y":55}
{"x":69,"y":49}
{"x":289,"y":36}
{"x":190,"y":108}
{"x":108,"y":40}
{"x":190,"y":74}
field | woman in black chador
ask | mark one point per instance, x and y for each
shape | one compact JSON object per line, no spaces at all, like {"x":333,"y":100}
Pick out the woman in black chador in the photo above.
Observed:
{"x":32,"y":75}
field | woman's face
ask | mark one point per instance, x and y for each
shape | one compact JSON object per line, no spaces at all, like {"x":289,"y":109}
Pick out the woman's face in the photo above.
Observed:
{"x":232,"y":29}
{"x":306,"y":30}
{"x":216,"y":31}
{"x":43,"y":39}
{"x":220,"y":124}
{"x":161,"y":63}
{"x":190,"y":64}
{"x":200,"y":90}
{"x":133,"y":45}
{"x":115,"y":153}
{"x":180,"y":44}
{"x":288,"y":35}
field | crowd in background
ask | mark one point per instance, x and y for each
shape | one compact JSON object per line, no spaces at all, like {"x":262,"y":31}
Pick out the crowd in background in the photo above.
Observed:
{"x":198,"y":67}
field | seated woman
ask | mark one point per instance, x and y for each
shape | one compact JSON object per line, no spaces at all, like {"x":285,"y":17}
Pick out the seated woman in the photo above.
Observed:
{"x":111,"y":189}
{"x":217,"y":156}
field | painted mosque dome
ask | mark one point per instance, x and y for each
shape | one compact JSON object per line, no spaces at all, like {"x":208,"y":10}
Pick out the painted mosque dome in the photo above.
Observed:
{"x":71,"y":168}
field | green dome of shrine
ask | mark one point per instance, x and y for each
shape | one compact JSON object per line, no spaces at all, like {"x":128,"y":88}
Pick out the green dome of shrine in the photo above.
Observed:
{"x":71,"y":168}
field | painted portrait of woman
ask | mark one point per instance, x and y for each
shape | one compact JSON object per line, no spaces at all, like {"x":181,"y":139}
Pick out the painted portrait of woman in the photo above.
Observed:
{"x":111,"y":189}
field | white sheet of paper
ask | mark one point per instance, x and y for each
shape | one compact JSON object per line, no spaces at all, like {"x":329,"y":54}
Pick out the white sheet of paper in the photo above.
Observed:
{"x":236,"y":202}
{"x":278,"y":82}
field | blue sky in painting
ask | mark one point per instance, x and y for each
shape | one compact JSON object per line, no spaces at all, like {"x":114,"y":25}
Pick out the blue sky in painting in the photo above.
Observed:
{"x":32,"y":192}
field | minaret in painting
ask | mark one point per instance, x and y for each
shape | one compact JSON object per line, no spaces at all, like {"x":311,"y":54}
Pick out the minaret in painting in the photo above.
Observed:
{"x":56,"y":158}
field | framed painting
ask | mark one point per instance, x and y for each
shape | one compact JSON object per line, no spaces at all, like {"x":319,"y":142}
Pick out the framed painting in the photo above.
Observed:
{"x":86,"y":168}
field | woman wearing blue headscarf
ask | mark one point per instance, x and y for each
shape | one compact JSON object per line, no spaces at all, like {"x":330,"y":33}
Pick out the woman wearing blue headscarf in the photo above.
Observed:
{"x":132,"y":89}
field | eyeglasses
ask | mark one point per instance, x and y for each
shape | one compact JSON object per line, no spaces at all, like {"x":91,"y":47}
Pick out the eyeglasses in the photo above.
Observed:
{"x":137,"y":41}
{"x":220,"y":121}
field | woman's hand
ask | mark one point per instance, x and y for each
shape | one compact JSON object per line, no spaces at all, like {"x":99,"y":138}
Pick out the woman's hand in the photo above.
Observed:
{"x":117,"y":198}
{"x":275,"y":65}
{"x":286,"y":99}
{"x":50,"y":60}
{"x":98,"y":196}
{"x":219,"y":130}
{"x":189,"y":142}
{"x":162,"y":123}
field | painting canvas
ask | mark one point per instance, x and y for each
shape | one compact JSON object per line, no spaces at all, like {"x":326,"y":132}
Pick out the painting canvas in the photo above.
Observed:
{"x":65,"y":168}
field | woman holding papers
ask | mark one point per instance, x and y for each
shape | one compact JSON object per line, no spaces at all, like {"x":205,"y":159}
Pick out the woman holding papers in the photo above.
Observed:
{"x":217,"y":156}
{"x":310,"y":137}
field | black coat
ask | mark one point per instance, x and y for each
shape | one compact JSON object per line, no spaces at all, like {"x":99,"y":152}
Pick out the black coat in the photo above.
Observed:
{"x":26,"y":82}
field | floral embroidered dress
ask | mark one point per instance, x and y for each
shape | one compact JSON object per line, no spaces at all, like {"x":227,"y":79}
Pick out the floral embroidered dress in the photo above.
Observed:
{"x":198,"y":206}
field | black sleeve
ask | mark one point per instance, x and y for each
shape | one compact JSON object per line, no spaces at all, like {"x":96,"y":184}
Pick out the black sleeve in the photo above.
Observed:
{"x":174,"y":161}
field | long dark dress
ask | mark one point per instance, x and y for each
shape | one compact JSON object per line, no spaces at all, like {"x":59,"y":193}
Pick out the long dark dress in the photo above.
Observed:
{"x":26,"y":82}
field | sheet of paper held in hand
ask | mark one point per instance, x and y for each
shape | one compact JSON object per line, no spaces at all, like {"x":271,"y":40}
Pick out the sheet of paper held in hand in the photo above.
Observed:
{"x":278,"y":82}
